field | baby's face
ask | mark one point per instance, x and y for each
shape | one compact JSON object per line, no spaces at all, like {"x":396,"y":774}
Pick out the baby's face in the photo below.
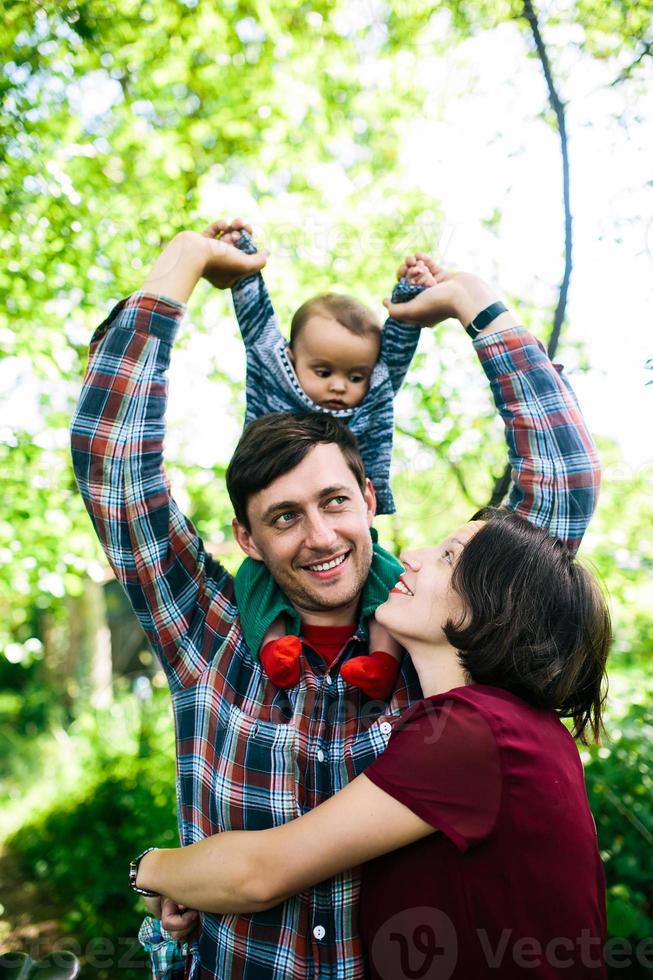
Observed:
{"x":333,"y":365}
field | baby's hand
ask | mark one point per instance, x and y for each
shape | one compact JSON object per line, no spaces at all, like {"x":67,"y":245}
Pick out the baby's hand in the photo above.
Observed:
{"x":421,"y":270}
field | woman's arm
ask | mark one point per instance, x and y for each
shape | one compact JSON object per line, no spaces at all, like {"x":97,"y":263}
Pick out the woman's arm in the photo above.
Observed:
{"x":240,"y":871}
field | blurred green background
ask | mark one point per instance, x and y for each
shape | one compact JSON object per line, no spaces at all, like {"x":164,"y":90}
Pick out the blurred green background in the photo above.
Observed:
{"x":350,"y":133}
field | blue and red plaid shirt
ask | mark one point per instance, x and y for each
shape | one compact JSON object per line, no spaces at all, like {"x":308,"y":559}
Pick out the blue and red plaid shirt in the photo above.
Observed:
{"x":251,"y":756}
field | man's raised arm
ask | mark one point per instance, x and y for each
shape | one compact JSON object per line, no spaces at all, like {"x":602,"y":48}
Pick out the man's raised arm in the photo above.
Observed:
{"x":117,"y":436}
{"x":555,"y":466}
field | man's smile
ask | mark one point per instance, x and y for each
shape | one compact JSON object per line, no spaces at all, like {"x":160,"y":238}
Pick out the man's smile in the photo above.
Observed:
{"x":329,"y":567}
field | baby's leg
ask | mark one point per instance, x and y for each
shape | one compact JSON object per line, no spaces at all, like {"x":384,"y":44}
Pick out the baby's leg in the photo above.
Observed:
{"x":280,"y":654}
{"x":375,"y":674}
{"x":275,"y":631}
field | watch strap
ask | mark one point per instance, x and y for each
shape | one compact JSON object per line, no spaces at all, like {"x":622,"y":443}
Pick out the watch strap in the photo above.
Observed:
{"x":133,"y":873}
{"x":486,"y":316}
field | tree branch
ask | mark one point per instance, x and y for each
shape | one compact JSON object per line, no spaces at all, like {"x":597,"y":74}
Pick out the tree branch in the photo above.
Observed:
{"x":626,"y":72}
{"x":529,"y":13}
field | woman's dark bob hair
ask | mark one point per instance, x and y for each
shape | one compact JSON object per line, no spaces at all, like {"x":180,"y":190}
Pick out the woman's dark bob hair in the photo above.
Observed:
{"x":535,"y":623}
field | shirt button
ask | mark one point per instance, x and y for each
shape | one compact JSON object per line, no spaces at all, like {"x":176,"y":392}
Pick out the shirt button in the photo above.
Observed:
{"x":320,"y":758}
{"x":329,"y":679}
{"x":319,"y":932}
{"x":385,"y":727}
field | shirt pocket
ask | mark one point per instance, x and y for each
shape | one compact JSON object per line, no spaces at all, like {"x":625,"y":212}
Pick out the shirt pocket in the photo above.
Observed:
{"x":255,"y":772}
{"x":369,"y":744}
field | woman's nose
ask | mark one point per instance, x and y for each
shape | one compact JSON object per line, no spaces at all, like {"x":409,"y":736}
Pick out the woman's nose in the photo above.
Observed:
{"x":410,"y":559}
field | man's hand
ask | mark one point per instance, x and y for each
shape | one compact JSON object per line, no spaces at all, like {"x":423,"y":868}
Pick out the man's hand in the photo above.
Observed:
{"x":192,"y":255}
{"x":179,"y":921}
{"x":225,"y":264}
{"x":448,"y":294}
{"x":436,"y":303}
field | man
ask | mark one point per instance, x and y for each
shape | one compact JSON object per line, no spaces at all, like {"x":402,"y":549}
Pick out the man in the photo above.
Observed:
{"x":248,"y":754}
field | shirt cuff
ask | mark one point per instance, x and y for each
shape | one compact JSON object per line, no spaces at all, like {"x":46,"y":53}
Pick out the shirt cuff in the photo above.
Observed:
{"x":177,"y":304}
{"x":149,"y":313}
{"x":503,"y":337}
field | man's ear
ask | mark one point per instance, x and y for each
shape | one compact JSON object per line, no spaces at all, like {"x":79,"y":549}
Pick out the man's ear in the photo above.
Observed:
{"x":369,"y":497}
{"x":244,"y":539}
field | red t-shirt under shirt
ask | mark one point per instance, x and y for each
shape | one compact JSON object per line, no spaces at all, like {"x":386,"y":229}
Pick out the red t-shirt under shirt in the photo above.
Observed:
{"x":513,"y":885}
{"x":327,"y":641}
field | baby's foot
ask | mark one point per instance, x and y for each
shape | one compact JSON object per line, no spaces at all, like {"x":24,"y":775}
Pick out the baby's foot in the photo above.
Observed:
{"x":375,"y":674}
{"x":280,"y":660}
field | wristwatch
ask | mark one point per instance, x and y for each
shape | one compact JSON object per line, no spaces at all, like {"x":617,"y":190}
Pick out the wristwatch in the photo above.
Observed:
{"x":482,"y":319}
{"x":133,"y":872}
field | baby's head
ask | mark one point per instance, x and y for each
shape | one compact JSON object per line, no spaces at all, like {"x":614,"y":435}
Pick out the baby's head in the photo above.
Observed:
{"x":334,"y":345}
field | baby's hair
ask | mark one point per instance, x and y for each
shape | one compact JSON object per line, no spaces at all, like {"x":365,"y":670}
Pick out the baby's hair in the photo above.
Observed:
{"x":352,"y":315}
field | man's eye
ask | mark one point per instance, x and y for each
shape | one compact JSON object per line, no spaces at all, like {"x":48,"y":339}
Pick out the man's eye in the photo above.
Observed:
{"x":285,"y":518}
{"x":340,"y":499}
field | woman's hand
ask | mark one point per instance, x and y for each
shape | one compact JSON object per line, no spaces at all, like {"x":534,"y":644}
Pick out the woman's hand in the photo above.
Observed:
{"x":153,"y":905}
{"x":178,"y":920}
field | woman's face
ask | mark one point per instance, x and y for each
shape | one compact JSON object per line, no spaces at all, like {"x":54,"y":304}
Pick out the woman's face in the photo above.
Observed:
{"x":423,"y":600}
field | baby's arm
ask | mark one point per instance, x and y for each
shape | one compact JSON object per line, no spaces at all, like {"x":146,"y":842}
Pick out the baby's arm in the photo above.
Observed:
{"x":399,"y":339}
{"x":252,"y":303}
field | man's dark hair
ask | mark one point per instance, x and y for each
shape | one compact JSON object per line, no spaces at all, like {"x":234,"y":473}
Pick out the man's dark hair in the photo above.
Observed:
{"x":277,"y":443}
{"x":349,"y":312}
{"x":536,"y":623}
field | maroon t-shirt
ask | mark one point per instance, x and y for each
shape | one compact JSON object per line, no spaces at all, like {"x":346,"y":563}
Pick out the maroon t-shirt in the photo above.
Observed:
{"x":512,"y":885}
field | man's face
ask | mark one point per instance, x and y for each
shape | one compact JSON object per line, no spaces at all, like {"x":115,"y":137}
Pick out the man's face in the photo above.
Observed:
{"x":311,"y":517}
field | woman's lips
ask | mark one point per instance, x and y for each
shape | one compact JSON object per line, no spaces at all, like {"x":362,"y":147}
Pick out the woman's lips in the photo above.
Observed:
{"x":402,"y":588}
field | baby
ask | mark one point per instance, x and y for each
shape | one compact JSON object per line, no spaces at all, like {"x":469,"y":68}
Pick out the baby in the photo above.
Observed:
{"x":338,"y":360}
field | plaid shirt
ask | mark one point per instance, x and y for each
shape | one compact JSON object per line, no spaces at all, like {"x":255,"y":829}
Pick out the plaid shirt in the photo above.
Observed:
{"x":251,"y":756}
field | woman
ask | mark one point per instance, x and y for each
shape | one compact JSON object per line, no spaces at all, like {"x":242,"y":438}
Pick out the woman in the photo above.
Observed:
{"x":481,"y":850}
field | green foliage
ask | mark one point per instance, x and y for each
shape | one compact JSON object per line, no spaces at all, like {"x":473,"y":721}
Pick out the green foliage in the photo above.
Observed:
{"x":620,"y":786}
{"x":115,"y":131}
{"x":77,"y":849}
{"x":112,"y":131}
{"x":45,"y":544}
